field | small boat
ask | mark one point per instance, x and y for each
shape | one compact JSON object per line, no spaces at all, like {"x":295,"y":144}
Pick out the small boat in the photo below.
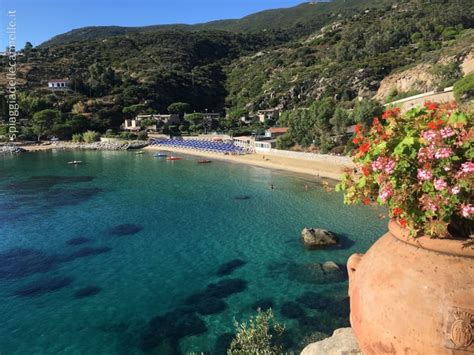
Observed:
{"x":75,"y":162}
{"x":204,"y":161}
{"x":160,"y":155}
{"x":173,"y":158}
{"x":140,"y":152}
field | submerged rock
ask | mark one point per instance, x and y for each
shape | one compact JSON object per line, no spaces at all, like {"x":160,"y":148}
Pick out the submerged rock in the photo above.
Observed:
{"x":263,"y":304}
{"x":221,"y":289}
{"x":223,"y":343}
{"x":229,"y":267}
{"x":210,"y":306}
{"x":125,"y":229}
{"x":292,"y":310}
{"x":316,"y":273}
{"x":87,"y":292}
{"x":314,"y":238}
{"x":78,"y":241}
{"x":19,"y":262}
{"x":172,"y":326}
{"x":88,"y":251}
{"x":43,"y":286}
{"x":330,"y":266}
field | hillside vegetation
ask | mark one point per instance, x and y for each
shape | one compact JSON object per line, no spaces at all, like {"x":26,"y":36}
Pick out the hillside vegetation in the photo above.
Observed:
{"x":298,"y":20}
{"x":315,"y":62}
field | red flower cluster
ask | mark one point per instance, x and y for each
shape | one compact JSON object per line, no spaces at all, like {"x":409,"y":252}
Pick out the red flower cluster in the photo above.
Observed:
{"x":391,"y":113}
{"x":431,"y":105}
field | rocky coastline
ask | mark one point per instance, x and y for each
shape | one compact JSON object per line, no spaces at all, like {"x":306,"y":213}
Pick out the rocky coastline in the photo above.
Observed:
{"x":111,"y":146}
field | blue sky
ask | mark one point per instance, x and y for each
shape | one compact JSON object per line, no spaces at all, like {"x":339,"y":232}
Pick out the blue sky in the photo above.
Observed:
{"x":39,"y":20}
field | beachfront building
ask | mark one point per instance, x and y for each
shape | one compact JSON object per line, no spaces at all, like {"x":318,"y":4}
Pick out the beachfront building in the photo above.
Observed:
{"x":58,"y":84}
{"x":245,"y":142}
{"x":268,"y":115}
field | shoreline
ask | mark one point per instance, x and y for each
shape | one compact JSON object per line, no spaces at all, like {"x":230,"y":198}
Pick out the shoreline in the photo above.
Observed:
{"x":331,"y":169}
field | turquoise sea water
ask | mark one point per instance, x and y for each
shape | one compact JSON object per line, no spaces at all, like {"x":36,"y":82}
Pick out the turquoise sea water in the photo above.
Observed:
{"x":122,"y":255}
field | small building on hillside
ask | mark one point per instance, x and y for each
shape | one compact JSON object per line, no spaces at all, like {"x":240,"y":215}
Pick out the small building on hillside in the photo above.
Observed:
{"x":162,"y":119}
{"x":135,"y":124}
{"x":275,"y":132}
{"x":59,"y":84}
{"x":268,"y":115}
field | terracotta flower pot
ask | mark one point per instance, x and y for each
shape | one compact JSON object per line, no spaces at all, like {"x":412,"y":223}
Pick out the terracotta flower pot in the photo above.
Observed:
{"x":413,"y":296}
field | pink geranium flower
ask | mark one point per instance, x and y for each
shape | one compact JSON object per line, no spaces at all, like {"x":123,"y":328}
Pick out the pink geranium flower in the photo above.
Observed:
{"x":443,"y":153}
{"x":440,"y":184}
{"x":467,"y":211}
{"x":424,"y":174}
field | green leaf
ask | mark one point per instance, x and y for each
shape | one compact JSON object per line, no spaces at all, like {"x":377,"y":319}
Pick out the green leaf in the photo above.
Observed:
{"x":406,"y":142}
{"x":458,"y":117}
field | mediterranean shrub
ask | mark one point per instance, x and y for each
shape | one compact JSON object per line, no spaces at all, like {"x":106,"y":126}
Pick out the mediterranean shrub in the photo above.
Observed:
{"x":255,"y":337}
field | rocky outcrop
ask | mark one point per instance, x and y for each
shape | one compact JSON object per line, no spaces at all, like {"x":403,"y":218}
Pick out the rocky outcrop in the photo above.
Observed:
{"x":418,"y":78}
{"x":467,"y":64}
{"x":342,"y":342}
{"x":11,"y":149}
{"x":96,"y":146}
{"x":314,"y":238}
{"x":316,"y":273}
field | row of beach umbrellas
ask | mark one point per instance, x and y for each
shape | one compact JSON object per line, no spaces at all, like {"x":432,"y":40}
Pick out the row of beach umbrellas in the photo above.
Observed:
{"x":199,"y":144}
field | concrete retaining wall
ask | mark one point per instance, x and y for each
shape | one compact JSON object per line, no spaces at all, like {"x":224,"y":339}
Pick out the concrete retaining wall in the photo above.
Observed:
{"x":418,"y":100}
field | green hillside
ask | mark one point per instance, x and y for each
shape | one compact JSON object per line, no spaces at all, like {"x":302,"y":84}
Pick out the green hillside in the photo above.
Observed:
{"x":329,"y":57}
{"x":298,"y":20}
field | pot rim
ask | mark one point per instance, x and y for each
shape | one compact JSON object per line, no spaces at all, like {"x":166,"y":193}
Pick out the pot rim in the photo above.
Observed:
{"x":453,"y":247}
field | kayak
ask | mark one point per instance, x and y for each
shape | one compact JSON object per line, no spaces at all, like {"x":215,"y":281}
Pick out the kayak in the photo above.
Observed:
{"x":204,"y":161}
{"x":173,"y":158}
{"x":160,"y":155}
{"x":75,"y":162}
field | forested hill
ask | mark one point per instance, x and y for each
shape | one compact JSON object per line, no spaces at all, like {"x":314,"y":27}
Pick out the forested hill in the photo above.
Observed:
{"x":325,"y":59}
{"x":296,"y":21}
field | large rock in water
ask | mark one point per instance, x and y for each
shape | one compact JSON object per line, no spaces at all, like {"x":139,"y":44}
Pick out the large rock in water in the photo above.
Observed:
{"x":314,"y":238}
{"x":342,"y":342}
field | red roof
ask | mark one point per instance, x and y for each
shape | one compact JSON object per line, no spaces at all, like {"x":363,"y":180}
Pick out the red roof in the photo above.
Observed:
{"x":278,"y":130}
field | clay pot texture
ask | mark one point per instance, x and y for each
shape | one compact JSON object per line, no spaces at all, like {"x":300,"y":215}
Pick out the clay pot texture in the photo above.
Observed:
{"x":413,"y":295}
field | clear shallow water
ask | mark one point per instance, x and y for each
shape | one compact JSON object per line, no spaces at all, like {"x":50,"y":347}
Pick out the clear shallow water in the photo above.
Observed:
{"x":183,"y":222}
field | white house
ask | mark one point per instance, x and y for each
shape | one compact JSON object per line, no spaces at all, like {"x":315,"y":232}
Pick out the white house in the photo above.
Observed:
{"x":58,"y":84}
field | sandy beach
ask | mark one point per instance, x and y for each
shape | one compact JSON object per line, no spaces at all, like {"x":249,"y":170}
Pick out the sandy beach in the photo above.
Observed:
{"x":332,"y":167}
{"x":325,"y":166}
